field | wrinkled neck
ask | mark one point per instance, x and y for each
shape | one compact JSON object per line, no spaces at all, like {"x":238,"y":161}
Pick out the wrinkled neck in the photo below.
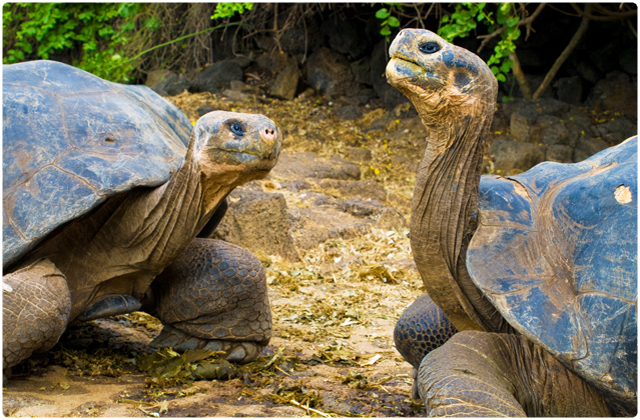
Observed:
{"x":445,"y":198}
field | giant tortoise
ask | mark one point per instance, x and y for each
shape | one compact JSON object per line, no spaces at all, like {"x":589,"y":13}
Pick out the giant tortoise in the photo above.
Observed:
{"x":105,"y":188}
{"x":537,"y":271}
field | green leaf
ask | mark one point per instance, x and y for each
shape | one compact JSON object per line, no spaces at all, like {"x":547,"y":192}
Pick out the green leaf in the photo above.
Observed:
{"x":506,"y":66}
{"x":501,"y":77}
{"x":382,"y":14}
{"x":89,"y":46}
{"x":227,"y":10}
{"x":513,"y":21}
{"x":495,"y":70}
{"x":385,"y":31}
{"x":393,"y":22}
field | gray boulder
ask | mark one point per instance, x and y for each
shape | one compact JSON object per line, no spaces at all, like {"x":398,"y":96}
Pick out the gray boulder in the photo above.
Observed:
{"x":346,"y":37}
{"x":550,"y":129}
{"x":217,"y":77}
{"x":512,"y":157}
{"x":521,"y":122}
{"x":615,"y":130}
{"x":559,"y":153}
{"x":167,"y":83}
{"x":569,"y":90}
{"x":361,"y":70}
{"x":329,"y":72}
{"x":629,"y":61}
{"x":297,"y":165}
{"x":258,"y":221}
{"x":587,"y":147}
{"x":286,"y":84}
{"x":617,"y":92}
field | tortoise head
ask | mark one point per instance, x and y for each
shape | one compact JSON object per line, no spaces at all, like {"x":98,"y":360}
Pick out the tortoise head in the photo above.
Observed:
{"x":438,"y":77}
{"x":246,"y":145}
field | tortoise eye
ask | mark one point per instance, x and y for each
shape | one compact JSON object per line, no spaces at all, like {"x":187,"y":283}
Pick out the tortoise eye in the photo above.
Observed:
{"x":429,"y":47}
{"x":237,"y":128}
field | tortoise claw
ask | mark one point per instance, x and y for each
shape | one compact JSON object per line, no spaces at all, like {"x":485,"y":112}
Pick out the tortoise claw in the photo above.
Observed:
{"x":415,"y":390}
{"x":235,"y":351}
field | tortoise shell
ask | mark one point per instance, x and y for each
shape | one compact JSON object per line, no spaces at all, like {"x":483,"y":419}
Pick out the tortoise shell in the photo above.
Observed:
{"x":71,"y":140}
{"x":556,"y":253}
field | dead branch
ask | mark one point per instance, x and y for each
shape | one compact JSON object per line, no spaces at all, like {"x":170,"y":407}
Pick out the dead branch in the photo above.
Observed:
{"x":305,"y":407}
{"x":567,"y":51}
{"x":632,"y":28}
{"x":520,"y":77}
{"x":609,"y":14}
{"x":526,"y":21}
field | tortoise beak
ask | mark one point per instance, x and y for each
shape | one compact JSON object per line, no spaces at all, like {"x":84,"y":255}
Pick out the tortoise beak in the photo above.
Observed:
{"x":272,"y":140}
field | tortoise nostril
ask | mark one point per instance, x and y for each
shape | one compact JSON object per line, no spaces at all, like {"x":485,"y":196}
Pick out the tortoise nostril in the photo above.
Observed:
{"x":269,"y":135}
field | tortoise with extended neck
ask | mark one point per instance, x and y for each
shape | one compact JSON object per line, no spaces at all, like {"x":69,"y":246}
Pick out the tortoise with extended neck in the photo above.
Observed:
{"x":105,"y":188}
{"x":538,"y":271}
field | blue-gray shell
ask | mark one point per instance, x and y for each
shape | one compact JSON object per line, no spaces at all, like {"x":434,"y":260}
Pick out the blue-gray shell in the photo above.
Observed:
{"x":71,"y":140}
{"x":556,"y":253}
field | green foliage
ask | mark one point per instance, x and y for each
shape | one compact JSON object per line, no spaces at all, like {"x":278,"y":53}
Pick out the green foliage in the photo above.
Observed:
{"x":97,"y":30}
{"x":388,"y":21}
{"x":227,"y":10}
{"x":464,"y":20}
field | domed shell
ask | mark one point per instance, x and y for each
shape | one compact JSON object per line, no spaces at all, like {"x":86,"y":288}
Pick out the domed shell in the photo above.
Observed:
{"x":71,"y":140}
{"x":556,"y":253}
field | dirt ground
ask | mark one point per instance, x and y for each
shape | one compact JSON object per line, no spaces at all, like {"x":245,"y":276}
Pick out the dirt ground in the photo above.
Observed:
{"x":332,"y":352}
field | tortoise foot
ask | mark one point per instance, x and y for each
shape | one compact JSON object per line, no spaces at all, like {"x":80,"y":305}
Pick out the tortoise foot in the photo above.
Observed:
{"x":35,"y":309}
{"x":214,"y":294}
{"x":235,"y":351}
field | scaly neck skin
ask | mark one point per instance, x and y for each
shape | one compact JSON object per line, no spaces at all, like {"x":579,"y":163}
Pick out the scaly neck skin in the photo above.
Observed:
{"x":182,"y":208}
{"x":445,"y":198}
{"x":129,"y":240}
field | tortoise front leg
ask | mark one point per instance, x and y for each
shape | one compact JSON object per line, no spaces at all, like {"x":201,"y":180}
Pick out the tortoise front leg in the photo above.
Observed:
{"x":479,"y":374}
{"x":421,"y":328}
{"x":214,"y":296}
{"x":36,"y":304}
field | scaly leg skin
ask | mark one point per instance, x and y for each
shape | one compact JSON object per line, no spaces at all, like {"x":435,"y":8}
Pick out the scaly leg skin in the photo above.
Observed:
{"x":214,"y":296}
{"x":421,"y":328}
{"x":479,"y":374}
{"x":36,"y":304}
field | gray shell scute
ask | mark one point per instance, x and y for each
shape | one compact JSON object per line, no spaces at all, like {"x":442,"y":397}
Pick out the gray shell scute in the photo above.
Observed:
{"x":54,"y":77}
{"x":71,"y":140}
{"x":111,"y":123}
{"x":172,"y":116}
{"x":49,"y":196}
{"x":125,"y":169}
{"x":29,"y":143}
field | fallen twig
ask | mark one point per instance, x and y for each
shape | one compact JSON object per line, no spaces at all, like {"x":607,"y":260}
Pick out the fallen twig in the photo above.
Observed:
{"x":306,"y":407}
{"x":274,"y":358}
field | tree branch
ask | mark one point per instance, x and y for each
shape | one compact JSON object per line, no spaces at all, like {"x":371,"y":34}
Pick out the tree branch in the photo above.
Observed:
{"x":520,"y":77}
{"x":610,"y":15}
{"x":565,"y":54}
{"x":527,"y":21}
